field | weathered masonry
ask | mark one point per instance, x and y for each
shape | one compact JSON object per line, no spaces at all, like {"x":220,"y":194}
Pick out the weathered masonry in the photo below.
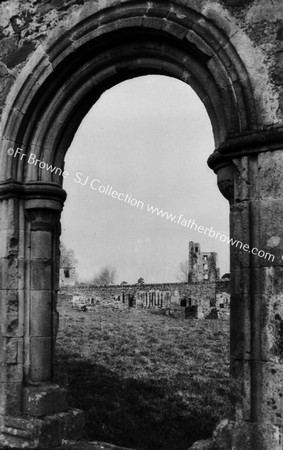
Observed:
{"x":57,"y":58}
{"x":206,"y":296}
{"x":202,"y":265}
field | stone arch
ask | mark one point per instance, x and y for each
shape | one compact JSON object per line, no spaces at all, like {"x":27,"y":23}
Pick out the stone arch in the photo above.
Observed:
{"x":66,"y":79}
{"x":88,"y":53}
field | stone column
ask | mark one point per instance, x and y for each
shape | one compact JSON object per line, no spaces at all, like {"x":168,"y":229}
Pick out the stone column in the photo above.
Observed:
{"x":254,"y":186}
{"x":42,"y":246}
{"x":34,"y":411}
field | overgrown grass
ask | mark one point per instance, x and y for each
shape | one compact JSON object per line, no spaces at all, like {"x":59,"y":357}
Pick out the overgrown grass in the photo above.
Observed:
{"x":145,"y":381}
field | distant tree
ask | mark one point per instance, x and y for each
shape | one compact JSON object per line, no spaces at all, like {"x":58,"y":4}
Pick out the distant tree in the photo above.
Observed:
{"x":183,"y":271}
{"x":140,"y":280}
{"x":124,"y":283}
{"x":67,"y":257}
{"x":106,"y":276}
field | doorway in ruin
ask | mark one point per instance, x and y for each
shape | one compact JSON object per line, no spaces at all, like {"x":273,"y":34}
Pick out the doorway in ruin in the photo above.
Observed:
{"x":63,"y":79}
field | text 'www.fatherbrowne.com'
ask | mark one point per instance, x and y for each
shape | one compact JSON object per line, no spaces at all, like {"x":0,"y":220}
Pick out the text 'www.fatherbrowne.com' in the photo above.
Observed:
{"x":96,"y":185}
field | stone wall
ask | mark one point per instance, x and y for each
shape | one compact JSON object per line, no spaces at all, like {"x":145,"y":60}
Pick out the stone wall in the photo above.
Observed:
{"x":204,"y":295}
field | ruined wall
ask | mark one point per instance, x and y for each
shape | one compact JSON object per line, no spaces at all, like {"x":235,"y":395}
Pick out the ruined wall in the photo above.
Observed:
{"x":199,"y":293}
{"x":68,"y":276}
{"x":202,"y":265}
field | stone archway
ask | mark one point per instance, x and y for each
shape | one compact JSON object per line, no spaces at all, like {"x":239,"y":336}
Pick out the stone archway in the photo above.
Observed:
{"x":92,"y":49}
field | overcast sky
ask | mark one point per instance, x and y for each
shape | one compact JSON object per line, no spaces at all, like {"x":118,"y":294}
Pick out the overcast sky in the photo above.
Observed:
{"x":150,"y":138}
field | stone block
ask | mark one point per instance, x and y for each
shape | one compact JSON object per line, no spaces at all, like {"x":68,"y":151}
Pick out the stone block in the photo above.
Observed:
{"x":40,"y":275}
{"x":13,"y":350}
{"x":156,"y":10}
{"x":9,"y":303}
{"x":270,"y":233}
{"x":271,"y":280}
{"x":41,"y":357}
{"x":121,"y":14}
{"x":207,"y":30}
{"x":174,"y":29}
{"x":40,"y":313}
{"x":41,"y":245}
{"x":272,"y":397}
{"x":8,"y":242}
{"x":11,"y":210}
{"x":200,"y":43}
{"x":31,"y":433}
{"x":72,"y":423}
{"x":11,"y":373}
{"x":272,"y":328}
{"x":9,"y":273}
{"x":221,"y":20}
{"x":11,"y":398}
{"x":44,"y":400}
{"x":11,"y":311}
{"x":12,"y":302}
{"x":5,"y":169}
{"x":130,"y":22}
{"x":81,"y":36}
{"x":153,"y":22}
{"x":62,"y":49}
{"x":40,"y":433}
{"x":218,"y":71}
{"x":270,"y":169}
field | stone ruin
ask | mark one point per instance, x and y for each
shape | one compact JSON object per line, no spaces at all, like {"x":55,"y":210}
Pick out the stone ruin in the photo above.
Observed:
{"x":57,"y":58}
{"x":195,"y":300}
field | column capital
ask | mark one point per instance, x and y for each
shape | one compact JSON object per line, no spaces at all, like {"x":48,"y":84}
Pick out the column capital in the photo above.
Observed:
{"x":37,"y":194}
{"x":246,"y":143}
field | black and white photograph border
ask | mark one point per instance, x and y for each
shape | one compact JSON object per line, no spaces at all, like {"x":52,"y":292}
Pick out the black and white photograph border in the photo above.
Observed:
{"x":141,"y":240}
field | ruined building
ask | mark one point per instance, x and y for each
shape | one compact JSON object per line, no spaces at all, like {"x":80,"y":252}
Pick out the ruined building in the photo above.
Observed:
{"x":202,"y":265}
{"x":68,"y":276}
{"x":58,"y":58}
{"x":202,"y":296}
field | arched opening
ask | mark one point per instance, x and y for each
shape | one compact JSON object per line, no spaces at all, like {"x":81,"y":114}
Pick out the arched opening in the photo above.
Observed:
{"x":134,"y":138}
{"x":66,"y":75}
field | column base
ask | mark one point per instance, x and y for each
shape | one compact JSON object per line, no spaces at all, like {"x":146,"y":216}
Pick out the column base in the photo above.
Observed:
{"x":230,"y":435}
{"x":41,"y":433}
{"x":44,"y":400}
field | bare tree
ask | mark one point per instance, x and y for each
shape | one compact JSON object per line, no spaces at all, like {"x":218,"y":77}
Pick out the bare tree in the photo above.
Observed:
{"x":106,"y":276}
{"x":183,"y":271}
{"x":67,"y":257}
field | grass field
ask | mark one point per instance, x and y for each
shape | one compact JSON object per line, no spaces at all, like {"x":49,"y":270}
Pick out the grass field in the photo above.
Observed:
{"x":145,"y":381}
